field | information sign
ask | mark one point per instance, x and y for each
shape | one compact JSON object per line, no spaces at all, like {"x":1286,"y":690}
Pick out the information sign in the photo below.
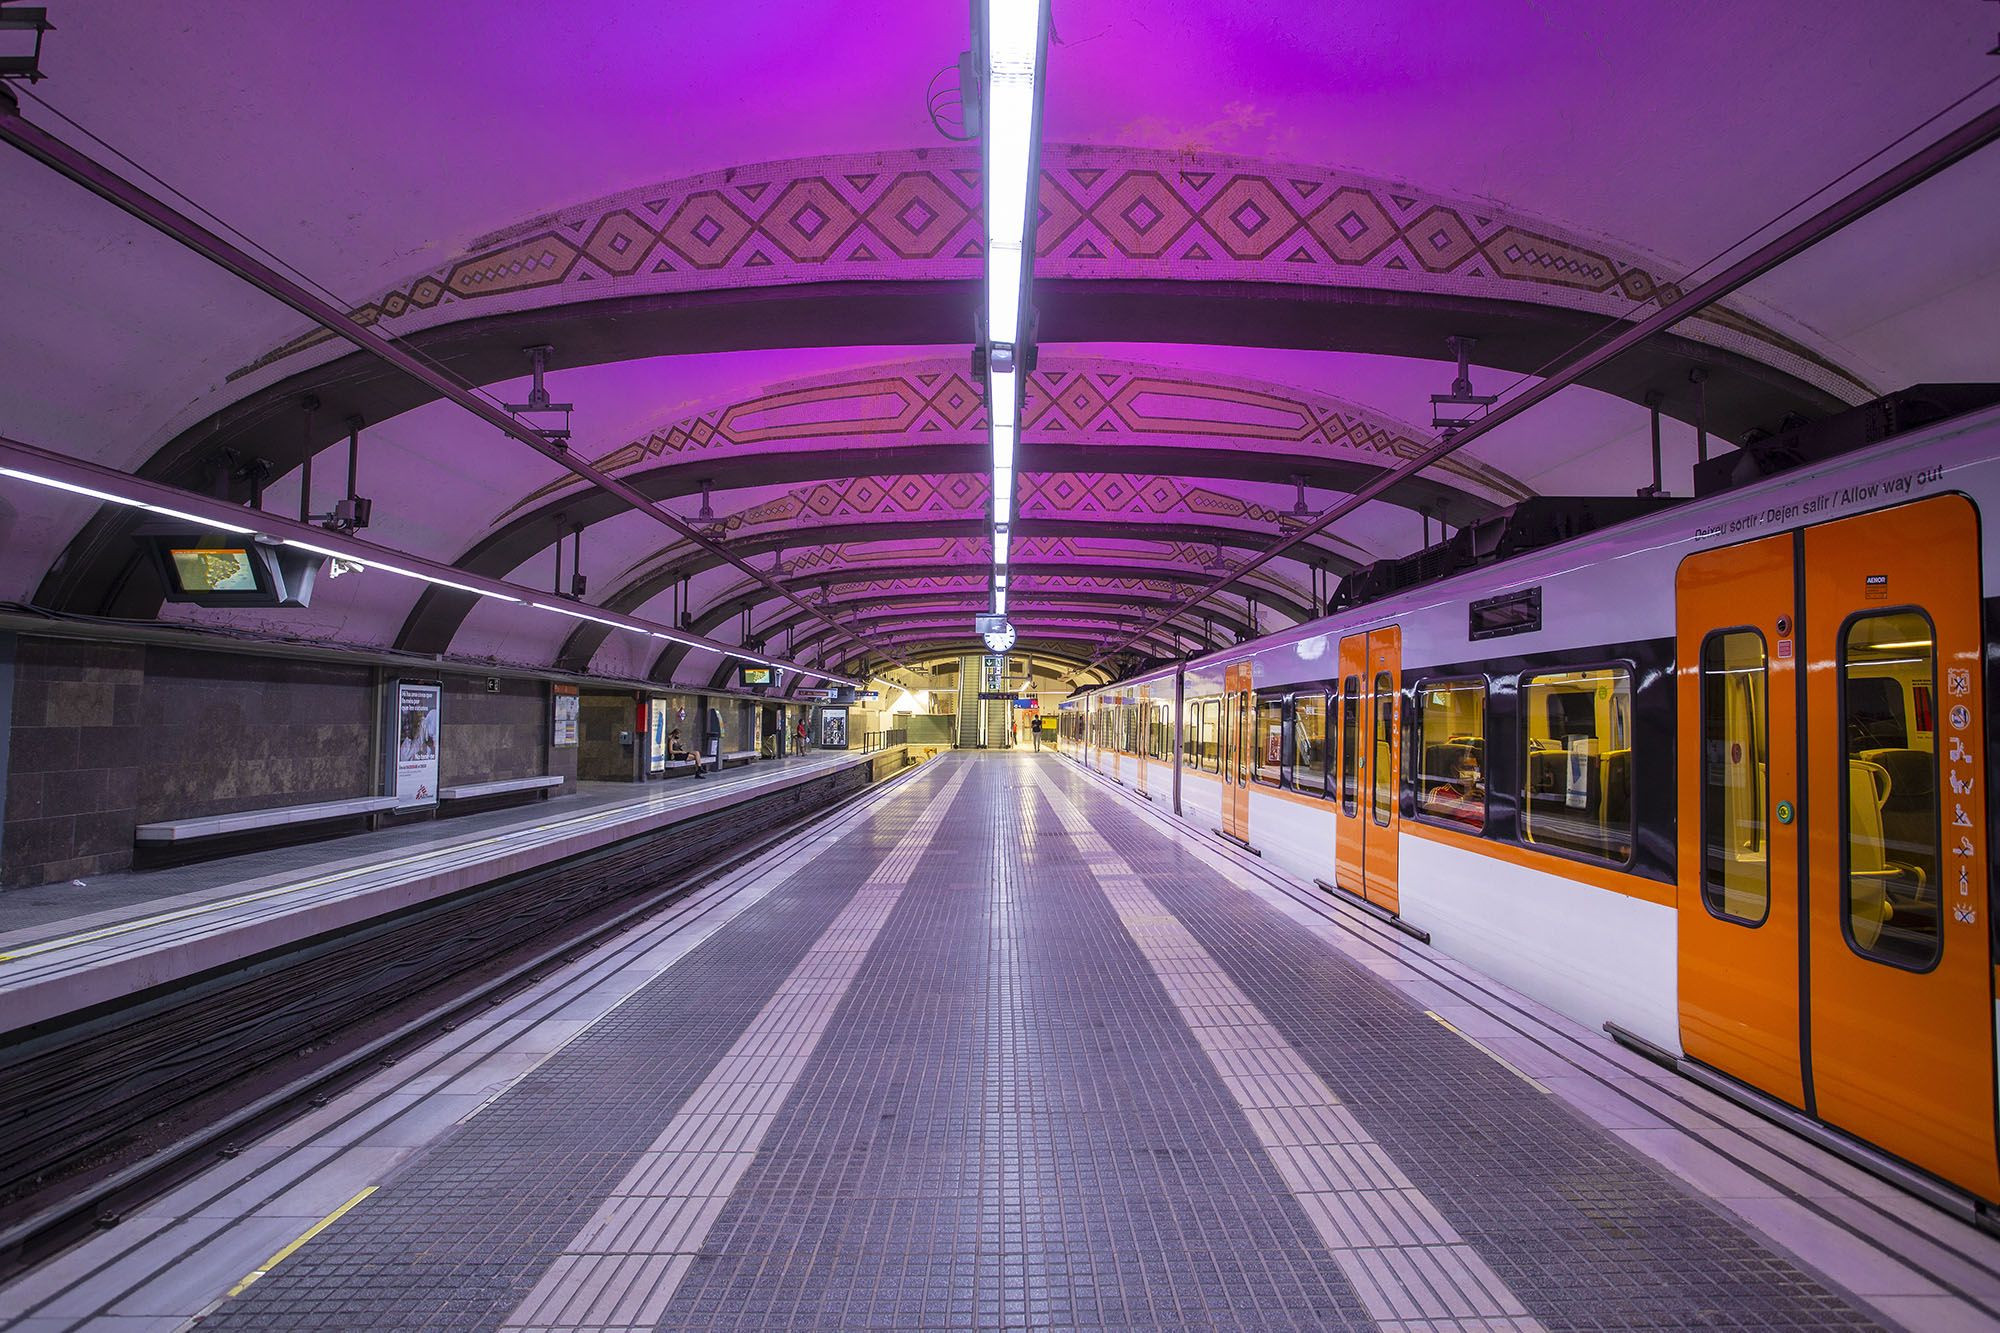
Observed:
{"x":568,"y":712}
{"x":416,"y":718}
{"x":656,"y":735}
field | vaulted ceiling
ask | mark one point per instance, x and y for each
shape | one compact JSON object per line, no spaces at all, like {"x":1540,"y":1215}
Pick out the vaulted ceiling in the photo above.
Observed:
{"x":756,"y":259}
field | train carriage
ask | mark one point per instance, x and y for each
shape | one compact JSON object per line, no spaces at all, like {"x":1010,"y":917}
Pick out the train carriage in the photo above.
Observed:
{"x":1715,"y":776}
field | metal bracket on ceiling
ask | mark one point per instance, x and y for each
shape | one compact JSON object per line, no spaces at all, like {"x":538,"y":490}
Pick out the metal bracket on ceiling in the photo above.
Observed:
{"x":1449,"y":411}
{"x":538,"y":399}
{"x":1299,"y":509}
{"x":16,"y":64}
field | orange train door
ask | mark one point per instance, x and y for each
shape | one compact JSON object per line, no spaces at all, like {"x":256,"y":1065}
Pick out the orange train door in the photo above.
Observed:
{"x":1236,"y":742}
{"x":1881,"y":852}
{"x":1370,"y":765}
{"x":1735,"y":642}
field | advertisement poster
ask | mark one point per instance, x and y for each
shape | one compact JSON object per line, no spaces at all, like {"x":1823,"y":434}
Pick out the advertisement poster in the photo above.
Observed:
{"x":656,"y":735}
{"x":833,"y":728}
{"x":418,"y":706}
{"x":569,"y":710}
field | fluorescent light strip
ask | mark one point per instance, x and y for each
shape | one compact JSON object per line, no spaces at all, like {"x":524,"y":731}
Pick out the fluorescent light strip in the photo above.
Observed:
{"x":387,"y":568}
{"x":109,"y":498}
{"x":1001,"y":391}
{"x":585,"y":615}
{"x":1003,"y":291}
{"x":1003,"y":447}
{"x":365,"y":562}
{"x":1013,"y":53}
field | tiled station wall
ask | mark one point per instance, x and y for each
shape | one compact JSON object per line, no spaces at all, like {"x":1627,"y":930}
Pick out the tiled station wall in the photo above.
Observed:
{"x":107,"y":736}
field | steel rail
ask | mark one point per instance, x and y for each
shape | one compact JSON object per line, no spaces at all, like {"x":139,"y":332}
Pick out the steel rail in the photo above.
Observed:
{"x":1912,"y":171}
{"x":108,"y":185}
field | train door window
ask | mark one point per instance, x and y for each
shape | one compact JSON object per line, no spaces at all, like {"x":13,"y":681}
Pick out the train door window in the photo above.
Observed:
{"x":1211,"y":735}
{"x":1267,"y":740}
{"x":1350,"y":741}
{"x":1890,"y":805}
{"x":1451,"y":752}
{"x":1309,"y":742}
{"x":1735,"y":869}
{"x":1164,"y":723}
{"x":1191,"y":734}
{"x":1240,"y":738}
{"x":1383,"y":784}
{"x":1577,"y":791}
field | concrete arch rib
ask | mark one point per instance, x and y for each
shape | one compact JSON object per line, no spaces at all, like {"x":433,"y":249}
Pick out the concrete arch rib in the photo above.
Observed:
{"x":1087,"y":607}
{"x":967,"y":593}
{"x":1187,"y":552}
{"x":1324,"y":259}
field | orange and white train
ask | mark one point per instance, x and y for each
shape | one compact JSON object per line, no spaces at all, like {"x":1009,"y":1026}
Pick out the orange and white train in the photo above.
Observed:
{"x":1717,"y":776}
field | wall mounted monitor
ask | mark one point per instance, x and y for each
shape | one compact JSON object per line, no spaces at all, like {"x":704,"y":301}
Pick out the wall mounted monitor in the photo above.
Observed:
{"x":759,"y":677}
{"x":209,"y":570}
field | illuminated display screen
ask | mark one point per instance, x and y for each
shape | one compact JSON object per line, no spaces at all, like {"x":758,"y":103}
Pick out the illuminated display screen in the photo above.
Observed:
{"x":213,"y":569}
{"x":757,"y":675}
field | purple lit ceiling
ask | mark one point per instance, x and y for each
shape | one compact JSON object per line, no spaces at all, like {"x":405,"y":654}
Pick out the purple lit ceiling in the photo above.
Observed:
{"x":757,"y":262}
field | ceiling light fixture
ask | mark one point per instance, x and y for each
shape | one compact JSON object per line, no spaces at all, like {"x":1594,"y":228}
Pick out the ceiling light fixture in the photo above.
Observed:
{"x":1011,"y":46}
{"x":109,"y":498}
{"x":272,"y":528}
{"x":364,"y":562}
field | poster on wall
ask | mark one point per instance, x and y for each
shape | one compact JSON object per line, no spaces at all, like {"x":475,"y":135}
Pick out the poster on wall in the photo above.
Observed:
{"x":833,"y":728}
{"x":569,"y":711}
{"x":416,"y":715}
{"x":656,"y":735}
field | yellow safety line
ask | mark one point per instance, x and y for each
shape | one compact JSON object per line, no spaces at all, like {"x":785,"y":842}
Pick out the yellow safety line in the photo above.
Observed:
{"x":292,"y":1249}
{"x":222,"y":904}
{"x":1490,"y":1053}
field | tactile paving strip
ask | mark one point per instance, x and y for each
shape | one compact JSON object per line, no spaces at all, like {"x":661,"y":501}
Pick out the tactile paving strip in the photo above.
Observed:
{"x":1586,"y":1231}
{"x":623,"y":1268}
{"x":458,"y":1238}
{"x":1412,"y":1270}
{"x":1007,"y":1126}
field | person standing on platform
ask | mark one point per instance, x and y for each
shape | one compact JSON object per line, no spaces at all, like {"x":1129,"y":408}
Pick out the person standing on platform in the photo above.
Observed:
{"x":711,"y":742}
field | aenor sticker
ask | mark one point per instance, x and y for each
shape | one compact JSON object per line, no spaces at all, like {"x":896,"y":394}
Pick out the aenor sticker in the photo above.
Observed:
{"x":1876,"y":587}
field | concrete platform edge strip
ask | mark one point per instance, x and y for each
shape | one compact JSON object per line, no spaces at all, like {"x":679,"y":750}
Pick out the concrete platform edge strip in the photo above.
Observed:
{"x":625,"y":1265}
{"x":73,"y":972}
{"x":1397,"y":1250}
{"x":160,"y":1257}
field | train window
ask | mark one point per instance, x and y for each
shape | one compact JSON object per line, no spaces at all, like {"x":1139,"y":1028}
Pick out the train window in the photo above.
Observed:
{"x":1451,"y":751}
{"x":1350,"y":741}
{"x":1577,"y":791}
{"x":1309,"y":742}
{"x":1735,"y":871}
{"x":1383,"y":788}
{"x":1240,"y":738}
{"x":1190,"y":732}
{"x":1211,"y":735}
{"x":1890,"y":806}
{"x":1267,"y":739}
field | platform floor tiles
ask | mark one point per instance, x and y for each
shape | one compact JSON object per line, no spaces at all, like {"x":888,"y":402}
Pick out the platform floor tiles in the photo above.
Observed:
{"x":1005,"y":1053}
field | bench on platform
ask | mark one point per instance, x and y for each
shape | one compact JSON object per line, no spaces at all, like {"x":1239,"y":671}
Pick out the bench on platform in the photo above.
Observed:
{"x":487,"y":795}
{"x":175,"y":840}
{"x":735,"y":757}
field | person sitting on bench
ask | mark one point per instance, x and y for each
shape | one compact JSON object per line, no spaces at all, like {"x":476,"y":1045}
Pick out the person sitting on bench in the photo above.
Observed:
{"x":676,"y":750}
